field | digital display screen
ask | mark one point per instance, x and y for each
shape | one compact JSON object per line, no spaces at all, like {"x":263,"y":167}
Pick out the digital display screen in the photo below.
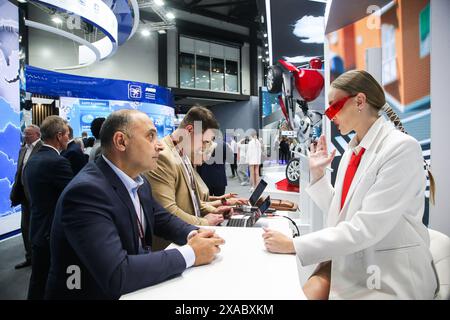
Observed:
{"x":80,"y":113}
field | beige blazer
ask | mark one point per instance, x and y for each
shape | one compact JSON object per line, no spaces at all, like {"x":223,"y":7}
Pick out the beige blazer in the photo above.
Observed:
{"x":203,"y":189}
{"x":377,"y":243}
{"x":170,"y":186}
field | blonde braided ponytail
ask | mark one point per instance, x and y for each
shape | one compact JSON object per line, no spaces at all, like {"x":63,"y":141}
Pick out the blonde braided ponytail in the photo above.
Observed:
{"x":395,"y":119}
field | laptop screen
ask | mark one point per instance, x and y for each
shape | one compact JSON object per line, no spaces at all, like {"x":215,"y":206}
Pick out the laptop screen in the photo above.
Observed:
{"x":258,"y":192}
{"x":262,"y":208}
{"x":265,"y":205}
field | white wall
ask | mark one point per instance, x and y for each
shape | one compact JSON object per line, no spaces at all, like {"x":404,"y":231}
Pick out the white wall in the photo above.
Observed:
{"x":172,"y":58}
{"x":245,"y":70}
{"x":259,"y":72}
{"x":440,"y":114}
{"x":136,"y":60}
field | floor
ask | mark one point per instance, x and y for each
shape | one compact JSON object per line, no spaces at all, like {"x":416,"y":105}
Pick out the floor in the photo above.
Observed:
{"x":14,"y":283}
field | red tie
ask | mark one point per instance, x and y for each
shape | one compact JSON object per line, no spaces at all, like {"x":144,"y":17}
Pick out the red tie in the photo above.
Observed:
{"x":350,"y":173}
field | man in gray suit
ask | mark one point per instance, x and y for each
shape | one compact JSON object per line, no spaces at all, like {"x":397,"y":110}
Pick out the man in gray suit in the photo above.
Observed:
{"x":32,"y":143}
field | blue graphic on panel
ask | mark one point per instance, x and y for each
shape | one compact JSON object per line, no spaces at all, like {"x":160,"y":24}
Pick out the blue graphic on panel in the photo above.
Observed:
{"x":9,"y":108}
{"x":9,"y":151}
{"x":124,"y":17}
{"x":269,"y":102}
{"x":81,"y":112}
{"x":58,"y":84}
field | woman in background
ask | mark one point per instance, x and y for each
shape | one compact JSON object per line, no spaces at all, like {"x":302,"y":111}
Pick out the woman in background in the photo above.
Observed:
{"x":242,"y":169}
{"x":254,"y":160}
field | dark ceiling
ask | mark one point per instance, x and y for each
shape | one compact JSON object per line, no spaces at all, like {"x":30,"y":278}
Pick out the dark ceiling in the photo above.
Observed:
{"x":242,"y":12}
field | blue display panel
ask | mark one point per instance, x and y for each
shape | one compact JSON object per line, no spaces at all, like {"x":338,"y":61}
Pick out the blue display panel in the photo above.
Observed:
{"x":40,"y":81}
{"x":80,"y":113}
{"x":269,"y":102}
{"x":9,"y":113}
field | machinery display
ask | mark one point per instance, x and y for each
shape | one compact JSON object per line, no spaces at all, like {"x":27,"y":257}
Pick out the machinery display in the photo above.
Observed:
{"x":297,"y":87}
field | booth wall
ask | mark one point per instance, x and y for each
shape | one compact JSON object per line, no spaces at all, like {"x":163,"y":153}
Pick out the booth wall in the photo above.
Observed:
{"x":9,"y":114}
{"x":136,"y":60}
{"x":172,"y":63}
{"x":440,"y":131}
{"x":245,"y":71}
{"x":238,"y":115}
{"x":172,"y":58}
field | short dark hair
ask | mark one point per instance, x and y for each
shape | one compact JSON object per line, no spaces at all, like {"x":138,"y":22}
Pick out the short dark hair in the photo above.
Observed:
{"x":70,"y":132}
{"x":200,"y":114}
{"x":51,"y":126}
{"x":116,"y":121}
{"x":90,"y":142}
{"x":96,"y":126}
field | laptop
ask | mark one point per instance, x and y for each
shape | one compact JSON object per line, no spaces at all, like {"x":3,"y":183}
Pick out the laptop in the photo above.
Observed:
{"x":248,"y":218}
{"x":258,"y":192}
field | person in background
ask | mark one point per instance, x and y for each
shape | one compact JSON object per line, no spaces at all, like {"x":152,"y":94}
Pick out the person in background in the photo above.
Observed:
{"x":276,"y":149}
{"x":254,"y":159}
{"x":106,"y":220}
{"x":374,"y":210}
{"x":213,"y":172}
{"x":96,"y":150}
{"x":284,"y":150}
{"x":45,"y":176}
{"x":74,"y":153}
{"x":32,"y":143}
{"x":229,"y":199}
{"x":233,"y":146}
{"x":242,"y":161}
{"x":263,"y":156}
{"x":292,"y":148}
{"x":80,"y":142}
{"x":89,"y":144}
{"x":173,"y":180}
{"x":84,"y":137}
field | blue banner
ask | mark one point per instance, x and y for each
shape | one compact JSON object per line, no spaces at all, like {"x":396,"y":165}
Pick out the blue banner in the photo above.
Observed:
{"x":45,"y":82}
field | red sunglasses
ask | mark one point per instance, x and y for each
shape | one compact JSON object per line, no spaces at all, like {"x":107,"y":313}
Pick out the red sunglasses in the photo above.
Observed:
{"x":336,"y":106}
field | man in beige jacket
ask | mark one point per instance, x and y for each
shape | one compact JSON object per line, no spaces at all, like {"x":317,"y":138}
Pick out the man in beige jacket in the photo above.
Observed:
{"x":173,"y":182}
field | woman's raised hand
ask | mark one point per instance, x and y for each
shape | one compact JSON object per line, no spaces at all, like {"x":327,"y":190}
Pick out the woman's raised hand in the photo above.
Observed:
{"x":319,"y":158}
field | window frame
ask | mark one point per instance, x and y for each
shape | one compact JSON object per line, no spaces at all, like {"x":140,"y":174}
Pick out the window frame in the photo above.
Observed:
{"x":389,"y":54}
{"x":237,"y":60}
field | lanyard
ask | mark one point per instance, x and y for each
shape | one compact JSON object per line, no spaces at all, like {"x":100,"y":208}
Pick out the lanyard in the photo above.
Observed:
{"x":187,"y":168}
{"x":141,"y":230}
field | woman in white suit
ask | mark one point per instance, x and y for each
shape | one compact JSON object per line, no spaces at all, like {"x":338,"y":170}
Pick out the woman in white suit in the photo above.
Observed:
{"x":375,"y":245}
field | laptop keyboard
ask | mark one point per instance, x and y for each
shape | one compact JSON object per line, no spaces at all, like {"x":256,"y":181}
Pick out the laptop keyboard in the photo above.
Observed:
{"x":237,"y":222}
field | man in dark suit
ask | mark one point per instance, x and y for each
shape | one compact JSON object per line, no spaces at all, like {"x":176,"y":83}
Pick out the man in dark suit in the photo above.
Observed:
{"x":84,"y":137}
{"x":106,"y":218}
{"x":213,"y":170}
{"x":45,"y":176}
{"x":74,"y":154}
{"x":32,"y":143}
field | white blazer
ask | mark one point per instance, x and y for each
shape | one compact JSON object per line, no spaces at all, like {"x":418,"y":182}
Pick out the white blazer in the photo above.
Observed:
{"x":377,"y":243}
{"x":254,"y":152}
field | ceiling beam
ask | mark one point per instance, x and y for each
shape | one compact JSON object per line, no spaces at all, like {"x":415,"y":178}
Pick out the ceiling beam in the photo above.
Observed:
{"x":222,"y":4}
{"x":207,"y":13}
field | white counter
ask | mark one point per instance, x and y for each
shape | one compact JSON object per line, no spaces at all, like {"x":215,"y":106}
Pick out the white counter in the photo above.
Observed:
{"x":242,"y":270}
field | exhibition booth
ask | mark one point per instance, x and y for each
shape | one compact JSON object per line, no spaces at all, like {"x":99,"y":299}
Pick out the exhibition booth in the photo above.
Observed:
{"x":272,"y":75}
